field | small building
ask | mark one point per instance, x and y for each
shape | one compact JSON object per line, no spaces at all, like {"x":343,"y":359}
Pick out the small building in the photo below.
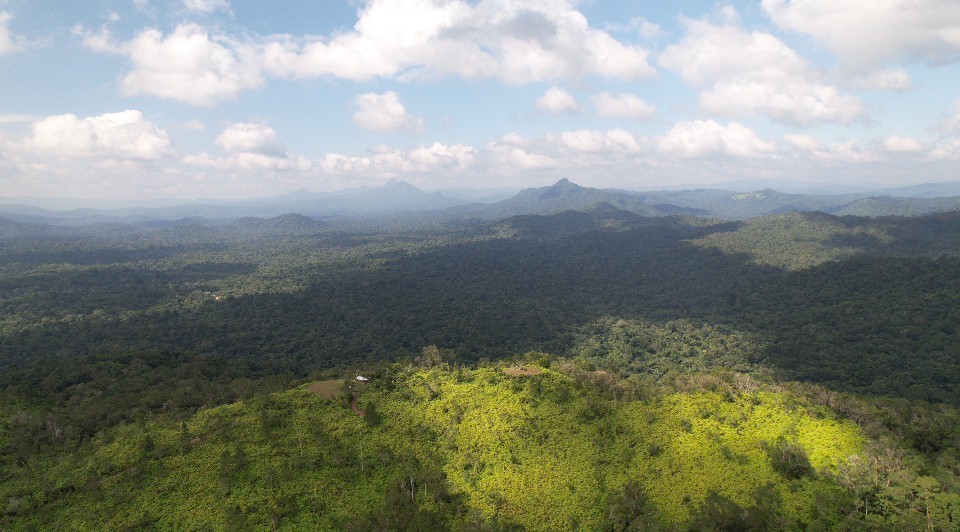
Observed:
{"x":361,"y":378}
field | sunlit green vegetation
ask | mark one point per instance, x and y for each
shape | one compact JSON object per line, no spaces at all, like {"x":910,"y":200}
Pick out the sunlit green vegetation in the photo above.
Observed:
{"x":457,"y":446}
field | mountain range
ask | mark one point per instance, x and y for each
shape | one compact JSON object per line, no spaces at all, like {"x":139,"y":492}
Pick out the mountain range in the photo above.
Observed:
{"x":401,"y":198}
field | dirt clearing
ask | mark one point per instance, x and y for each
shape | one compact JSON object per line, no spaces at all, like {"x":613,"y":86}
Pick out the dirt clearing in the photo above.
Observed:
{"x":523,"y":371}
{"x":331,"y":389}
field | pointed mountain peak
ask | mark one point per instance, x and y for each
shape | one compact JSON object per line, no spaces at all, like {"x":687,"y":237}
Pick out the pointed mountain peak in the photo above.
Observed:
{"x":396,"y":184}
{"x":559,"y":189}
{"x":566,"y":184}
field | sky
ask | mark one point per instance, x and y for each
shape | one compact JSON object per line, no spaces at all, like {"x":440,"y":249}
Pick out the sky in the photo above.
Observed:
{"x":140,"y":99}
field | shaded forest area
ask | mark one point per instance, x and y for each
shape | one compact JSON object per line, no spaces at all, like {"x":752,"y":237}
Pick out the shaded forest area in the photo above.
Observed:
{"x":877,"y":319}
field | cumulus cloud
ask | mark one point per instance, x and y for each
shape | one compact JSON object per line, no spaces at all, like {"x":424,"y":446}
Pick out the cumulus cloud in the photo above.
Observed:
{"x":706,"y":138}
{"x":639,"y":25}
{"x":592,"y":141}
{"x":516,"y":41}
{"x":557,"y":100}
{"x":748,"y":73}
{"x":866,"y":34}
{"x":384,"y":112}
{"x":812,"y":149}
{"x":503,"y":159}
{"x":248,"y":162}
{"x":889,"y":79}
{"x":898,"y":144}
{"x":124,"y":135}
{"x":249,"y":147}
{"x":206,"y":6}
{"x":194,"y":125}
{"x":438,"y":158}
{"x":803,"y":142}
{"x":189,"y":65}
{"x":948,"y":151}
{"x":952,"y":123}
{"x":511,"y":153}
{"x":251,"y":138}
{"x":700,"y":152}
{"x":8,"y":44}
{"x":622,"y":106}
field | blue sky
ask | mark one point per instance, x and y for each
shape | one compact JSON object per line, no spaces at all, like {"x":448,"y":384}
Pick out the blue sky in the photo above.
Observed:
{"x":228,"y":98}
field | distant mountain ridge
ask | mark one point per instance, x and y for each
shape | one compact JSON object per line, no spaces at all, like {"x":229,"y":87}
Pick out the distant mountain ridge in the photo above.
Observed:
{"x":401,"y":198}
{"x":565,"y":195}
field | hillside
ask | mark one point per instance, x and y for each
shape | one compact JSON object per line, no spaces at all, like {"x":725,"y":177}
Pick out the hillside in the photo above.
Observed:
{"x":860,"y":305}
{"x":567,"y":196}
{"x":546,"y":448}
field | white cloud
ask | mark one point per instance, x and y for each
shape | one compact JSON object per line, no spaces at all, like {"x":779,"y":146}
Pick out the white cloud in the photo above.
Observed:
{"x":249,"y":147}
{"x":557,"y":100}
{"x":16,"y":119}
{"x":124,"y":135}
{"x":705,"y":138}
{"x":441,"y":157}
{"x":745,"y":74}
{"x":622,"y":106}
{"x":866,"y":34}
{"x":649,"y":30}
{"x":800,"y":103}
{"x":591,"y":141}
{"x":516,"y":41}
{"x":889,"y":79}
{"x":194,"y":125}
{"x":8,"y":44}
{"x":708,"y":53}
{"x":189,"y":65}
{"x":512,"y":154}
{"x":384,"y":112}
{"x":438,"y":159}
{"x":248,"y":162}
{"x":949,"y":151}
{"x":898,"y":144}
{"x":810,"y":148}
{"x":206,"y":6}
{"x":803,"y":142}
{"x":251,"y":138}
{"x":639,"y":25}
{"x":846,"y":152}
{"x":952,"y":123}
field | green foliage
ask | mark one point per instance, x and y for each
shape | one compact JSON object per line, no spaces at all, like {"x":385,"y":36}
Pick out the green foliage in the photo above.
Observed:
{"x":473,"y":447}
{"x":862,"y":305}
{"x":631,"y":509}
{"x":662,"y":349}
{"x":788,"y":458}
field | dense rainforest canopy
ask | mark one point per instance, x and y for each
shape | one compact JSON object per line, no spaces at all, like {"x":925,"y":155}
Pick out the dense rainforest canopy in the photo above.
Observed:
{"x":795,"y":370}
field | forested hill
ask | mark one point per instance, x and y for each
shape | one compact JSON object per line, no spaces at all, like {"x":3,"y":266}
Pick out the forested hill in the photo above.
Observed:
{"x":856,"y":304}
{"x":167,"y":357}
{"x":548,"y":445}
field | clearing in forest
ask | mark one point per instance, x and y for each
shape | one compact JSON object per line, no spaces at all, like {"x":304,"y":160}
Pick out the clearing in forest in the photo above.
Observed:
{"x":523,"y":371}
{"x":331,"y":389}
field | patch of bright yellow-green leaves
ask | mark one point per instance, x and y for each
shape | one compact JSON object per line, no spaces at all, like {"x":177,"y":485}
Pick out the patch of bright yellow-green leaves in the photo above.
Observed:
{"x":541,"y":451}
